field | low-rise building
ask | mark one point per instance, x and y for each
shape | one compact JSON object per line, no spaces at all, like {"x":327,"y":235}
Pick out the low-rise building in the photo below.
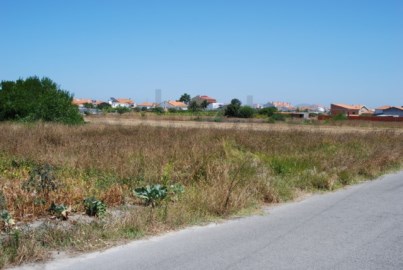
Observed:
{"x":171,"y":104}
{"x":214,"y":106}
{"x":349,"y":110}
{"x":147,"y":105}
{"x":122,"y":102}
{"x":200,"y":99}
{"x":396,"y":111}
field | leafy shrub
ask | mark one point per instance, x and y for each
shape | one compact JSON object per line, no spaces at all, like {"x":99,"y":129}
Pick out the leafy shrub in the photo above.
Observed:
{"x":267,"y":111}
{"x":270,"y":120}
{"x":278,"y":117}
{"x":158,"y":110}
{"x":339,"y":117}
{"x":41,"y":180}
{"x":60,"y":210}
{"x":151,"y":194}
{"x":246,"y":112}
{"x":94,"y":207}
{"x":6,"y":220}
{"x":122,"y":110}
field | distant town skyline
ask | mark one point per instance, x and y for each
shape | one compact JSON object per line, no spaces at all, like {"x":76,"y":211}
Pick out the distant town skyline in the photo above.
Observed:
{"x":313,"y":52}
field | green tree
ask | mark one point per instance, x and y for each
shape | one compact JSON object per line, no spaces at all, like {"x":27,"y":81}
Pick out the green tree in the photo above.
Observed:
{"x":246,"y":112}
{"x":268,"y":111}
{"x":185,"y":98}
{"x":204,"y":104}
{"x":36,"y":99}
{"x":158,"y":110}
{"x":193,"y":106}
{"x":104,"y":106}
{"x":232,"y":110}
{"x":122,"y":109}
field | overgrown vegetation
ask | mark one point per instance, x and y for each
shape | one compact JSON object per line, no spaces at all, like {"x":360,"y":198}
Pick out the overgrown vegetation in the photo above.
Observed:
{"x":235,"y":109}
{"x":203,"y":174}
{"x":35,"y":99}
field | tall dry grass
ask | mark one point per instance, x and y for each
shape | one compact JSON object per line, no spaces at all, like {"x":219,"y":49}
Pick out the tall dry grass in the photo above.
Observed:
{"x":223,"y":171}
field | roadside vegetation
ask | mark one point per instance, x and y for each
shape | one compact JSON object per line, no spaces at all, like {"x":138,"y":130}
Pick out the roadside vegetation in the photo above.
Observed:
{"x":35,"y":99}
{"x":80,"y":188}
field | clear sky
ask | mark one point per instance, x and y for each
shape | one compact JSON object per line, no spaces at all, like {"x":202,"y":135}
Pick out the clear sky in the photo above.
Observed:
{"x":339,"y":51}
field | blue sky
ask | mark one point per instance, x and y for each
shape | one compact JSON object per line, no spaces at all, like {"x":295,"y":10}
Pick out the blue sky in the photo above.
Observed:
{"x":344,"y":51}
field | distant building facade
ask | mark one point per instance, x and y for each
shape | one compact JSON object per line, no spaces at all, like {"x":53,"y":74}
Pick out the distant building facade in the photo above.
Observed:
{"x":199,"y":99}
{"x":349,"y":110}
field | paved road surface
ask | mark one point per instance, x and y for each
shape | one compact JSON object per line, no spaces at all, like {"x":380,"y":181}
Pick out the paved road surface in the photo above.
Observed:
{"x":357,"y":228}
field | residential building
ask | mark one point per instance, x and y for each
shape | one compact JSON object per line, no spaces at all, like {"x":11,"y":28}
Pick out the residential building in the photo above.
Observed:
{"x":147,"y":105}
{"x":171,"y":104}
{"x":315,"y":108}
{"x":214,"y":106}
{"x":80,"y":102}
{"x":396,"y":111}
{"x":199,"y":99}
{"x":268,"y":105}
{"x":83,"y":108}
{"x":122,"y":102}
{"x":349,"y":110}
{"x":380,"y":110}
{"x":280,"y":105}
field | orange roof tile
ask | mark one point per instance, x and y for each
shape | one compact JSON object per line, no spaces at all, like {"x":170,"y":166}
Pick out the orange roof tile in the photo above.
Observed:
{"x":383,"y":107}
{"x":124,"y":100}
{"x":350,"y":107}
{"x":81,"y":101}
{"x":177,"y":103}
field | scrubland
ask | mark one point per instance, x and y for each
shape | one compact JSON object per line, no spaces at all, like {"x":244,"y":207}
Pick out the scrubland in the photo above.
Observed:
{"x":224,"y":172}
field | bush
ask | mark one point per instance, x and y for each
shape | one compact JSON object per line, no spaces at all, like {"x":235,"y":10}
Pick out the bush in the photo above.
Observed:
{"x":158,"y":110}
{"x":151,"y":195}
{"x":339,"y":117}
{"x":122,"y":110}
{"x":246,"y":112}
{"x":267,"y":111}
{"x":36,"y":99}
{"x":94,"y":207}
{"x":278,"y":117}
{"x":232,"y":110}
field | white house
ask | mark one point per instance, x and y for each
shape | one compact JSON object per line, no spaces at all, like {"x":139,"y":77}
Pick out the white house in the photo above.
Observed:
{"x":171,"y":104}
{"x":214,"y":106}
{"x":122,"y":102}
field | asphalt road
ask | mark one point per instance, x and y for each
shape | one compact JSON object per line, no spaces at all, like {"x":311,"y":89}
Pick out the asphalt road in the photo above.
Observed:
{"x":360,"y":227}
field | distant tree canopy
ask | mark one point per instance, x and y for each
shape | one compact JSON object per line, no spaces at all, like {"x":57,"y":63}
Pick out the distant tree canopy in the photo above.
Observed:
{"x":268,"y":111}
{"x":185,"y":98}
{"x":36,"y":99}
{"x":193,"y":106}
{"x":235,"y":109}
{"x":232,"y":109}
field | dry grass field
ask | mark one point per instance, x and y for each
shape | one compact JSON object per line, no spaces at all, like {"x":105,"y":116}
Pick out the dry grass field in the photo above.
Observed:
{"x":225,"y":169}
{"x":260,"y":124}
